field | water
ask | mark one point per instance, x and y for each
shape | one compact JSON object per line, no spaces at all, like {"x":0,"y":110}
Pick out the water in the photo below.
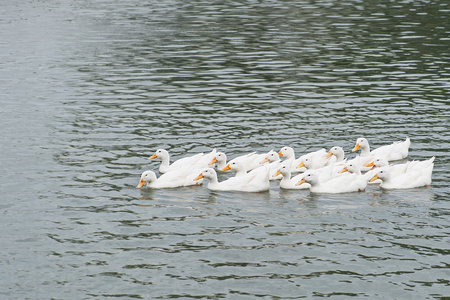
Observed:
{"x":91,"y":89}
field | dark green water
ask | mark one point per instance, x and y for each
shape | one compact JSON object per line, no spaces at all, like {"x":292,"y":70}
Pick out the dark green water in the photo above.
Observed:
{"x":90,"y":89}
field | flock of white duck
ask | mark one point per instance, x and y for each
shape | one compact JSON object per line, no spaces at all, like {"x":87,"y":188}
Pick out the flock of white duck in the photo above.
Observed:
{"x":319,"y":171}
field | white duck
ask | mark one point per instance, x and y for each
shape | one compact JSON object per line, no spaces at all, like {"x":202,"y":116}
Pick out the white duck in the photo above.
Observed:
{"x":353,"y":168}
{"x":316,"y":160}
{"x":287,"y":182}
{"x":274,"y":162}
{"x":382,"y":164}
{"x":420,"y":165}
{"x":173,"y":179}
{"x":250,"y":160}
{"x":238,"y":167}
{"x":253,"y":182}
{"x":341,"y":184}
{"x":199,"y":160}
{"x":338,"y":152}
{"x":397,"y":169}
{"x":394,"y":151}
{"x":289,"y":154}
{"x":324,"y":173}
{"x":221,"y":159}
{"x":410,"y":179}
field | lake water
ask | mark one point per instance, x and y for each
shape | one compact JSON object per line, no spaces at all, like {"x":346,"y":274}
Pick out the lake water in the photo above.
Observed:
{"x":90,"y":89}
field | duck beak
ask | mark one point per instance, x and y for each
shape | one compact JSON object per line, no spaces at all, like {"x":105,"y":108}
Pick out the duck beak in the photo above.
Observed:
{"x":213,"y":161}
{"x":328,"y":154}
{"x":278,"y":172}
{"x":356,"y":147}
{"x":280,"y":154}
{"x":264,"y":160}
{"x":226,"y":168}
{"x":153,"y":156}
{"x":343,"y":170}
{"x":301,"y":165}
{"x":198,"y":177}
{"x":301,"y":181}
{"x":369,"y":164}
{"x":374,"y":177}
{"x":141,"y":183}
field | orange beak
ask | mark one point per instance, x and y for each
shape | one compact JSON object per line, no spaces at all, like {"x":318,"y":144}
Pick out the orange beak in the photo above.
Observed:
{"x":343,"y":170}
{"x":141,"y":183}
{"x":264,"y":160}
{"x":213,"y":161}
{"x":301,"y":165}
{"x":356,"y":147}
{"x":374,"y":177}
{"x":278,"y":172}
{"x":198,"y":177}
{"x":153,"y":156}
{"x":226,"y":168}
{"x":301,"y":181}
{"x":328,"y":154}
{"x":280,"y":154}
{"x":369,"y":164}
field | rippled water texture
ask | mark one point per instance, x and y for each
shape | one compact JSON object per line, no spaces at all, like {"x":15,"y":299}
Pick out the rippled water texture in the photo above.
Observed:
{"x":90,"y":89}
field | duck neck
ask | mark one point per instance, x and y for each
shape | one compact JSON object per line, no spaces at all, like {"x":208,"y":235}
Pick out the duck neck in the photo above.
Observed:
{"x":164,"y":163}
{"x":365,"y":150}
{"x":213,"y":181}
{"x":290,"y":154}
{"x":221,"y":164}
{"x":286,"y":177}
{"x":240,"y":172}
{"x":369,"y":174}
{"x":357,"y":172}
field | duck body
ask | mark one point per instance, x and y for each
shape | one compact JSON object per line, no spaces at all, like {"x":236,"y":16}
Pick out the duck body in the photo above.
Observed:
{"x":421,"y":164}
{"x":413,"y":176}
{"x":195,"y":161}
{"x":173,"y":179}
{"x":324,"y":173}
{"x":250,"y":161}
{"x":342,"y":184}
{"x":255,"y":181}
{"x":317,"y":158}
{"x":399,"y":169}
{"x":394,"y":151}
